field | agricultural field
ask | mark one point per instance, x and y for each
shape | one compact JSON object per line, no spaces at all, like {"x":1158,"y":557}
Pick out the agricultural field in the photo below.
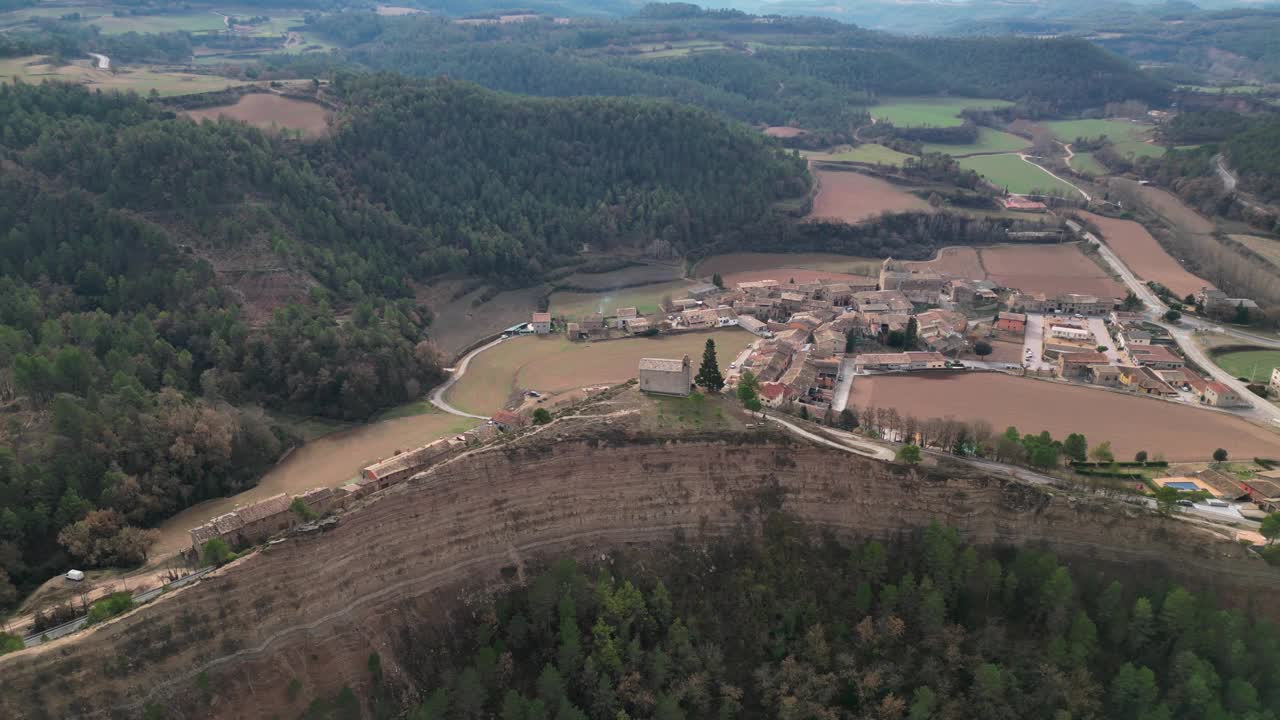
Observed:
{"x":1254,"y":364}
{"x":1140,"y":251}
{"x":1129,"y":138}
{"x":679,"y":48}
{"x":270,"y":111}
{"x":552,"y":364}
{"x":35,"y":69}
{"x":1169,"y":207}
{"x":634,"y":275}
{"x":1266,"y":247}
{"x":1015,"y":174}
{"x":459,"y":322}
{"x":783,"y":131}
{"x":736,"y":268}
{"x":853,"y":197}
{"x":1049,"y":269}
{"x":645,"y":298}
{"x":1086,"y":163}
{"x":1131,"y":423}
{"x":869,"y":153}
{"x":928,"y":111}
{"x":952,"y":262}
{"x":194,"y":21}
{"x":325,"y":462}
{"x":989,"y":141}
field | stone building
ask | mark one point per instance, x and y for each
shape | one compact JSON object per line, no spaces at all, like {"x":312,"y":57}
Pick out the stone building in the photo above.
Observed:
{"x":666,"y":376}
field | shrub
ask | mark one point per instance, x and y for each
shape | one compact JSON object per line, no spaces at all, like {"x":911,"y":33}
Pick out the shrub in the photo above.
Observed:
{"x":10,"y":643}
{"x":110,"y":606}
{"x":541,"y":416}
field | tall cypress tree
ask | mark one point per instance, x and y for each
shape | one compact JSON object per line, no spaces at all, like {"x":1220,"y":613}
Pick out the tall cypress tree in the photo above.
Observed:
{"x":709,"y":376}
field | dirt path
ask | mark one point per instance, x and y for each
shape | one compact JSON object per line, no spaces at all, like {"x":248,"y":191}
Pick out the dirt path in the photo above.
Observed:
{"x":1027,"y":159}
{"x":103,"y":62}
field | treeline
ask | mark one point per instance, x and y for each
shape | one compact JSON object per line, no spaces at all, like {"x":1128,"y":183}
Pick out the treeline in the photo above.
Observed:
{"x":66,"y":39}
{"x":781,"y":622}
{"x":1250,"y":144}
{"x":840,"y":67}
{"x":903,"y":236}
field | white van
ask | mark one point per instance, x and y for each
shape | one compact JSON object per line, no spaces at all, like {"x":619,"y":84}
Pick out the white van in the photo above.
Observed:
{"x":75,"y":575}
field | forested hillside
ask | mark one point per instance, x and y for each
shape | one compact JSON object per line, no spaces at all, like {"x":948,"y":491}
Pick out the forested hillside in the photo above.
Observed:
{"x":783,"y":624}
{"x":134,"y":379}
{"x":1250,"y":145}
{"x":812,"y":72}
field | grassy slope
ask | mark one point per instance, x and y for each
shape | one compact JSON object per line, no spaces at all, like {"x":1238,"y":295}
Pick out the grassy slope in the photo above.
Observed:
{"x":1014,"y":173}
{"x":1253,"y":364}
{"x":1126,"y":136}
{"x":989,"y":140}
{"x":868,"y":153}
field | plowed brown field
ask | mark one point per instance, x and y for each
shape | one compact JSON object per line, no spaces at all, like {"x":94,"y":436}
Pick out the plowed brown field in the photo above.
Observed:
{"x":266,"y":110}
{"x":1144,"y":256}
{"x":1049,"y":269}
{"x":852,"y":197}
{"x":1130,"y":422}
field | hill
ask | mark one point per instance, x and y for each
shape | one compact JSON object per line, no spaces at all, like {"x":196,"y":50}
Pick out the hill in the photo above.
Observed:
{"x":136,"y":365}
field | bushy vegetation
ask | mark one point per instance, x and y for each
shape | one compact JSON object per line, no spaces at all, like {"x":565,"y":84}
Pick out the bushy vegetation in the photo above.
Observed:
{"x":110,"y":606}
{"x":793,"y":625}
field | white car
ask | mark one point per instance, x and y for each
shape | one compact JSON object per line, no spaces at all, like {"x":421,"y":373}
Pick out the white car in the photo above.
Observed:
{"x":733,"y":366}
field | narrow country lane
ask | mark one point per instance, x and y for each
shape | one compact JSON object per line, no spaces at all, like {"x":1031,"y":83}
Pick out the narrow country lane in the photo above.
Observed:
{"x":437,"y":395}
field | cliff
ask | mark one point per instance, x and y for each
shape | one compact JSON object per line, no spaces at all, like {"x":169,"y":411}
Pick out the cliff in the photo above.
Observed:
{"x":313,"y":607}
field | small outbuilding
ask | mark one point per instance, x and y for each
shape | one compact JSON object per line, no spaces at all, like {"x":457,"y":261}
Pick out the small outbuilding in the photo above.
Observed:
{"x":666,"y":376}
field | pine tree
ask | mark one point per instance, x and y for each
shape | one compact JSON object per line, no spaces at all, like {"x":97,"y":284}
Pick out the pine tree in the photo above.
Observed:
{"x":709,"y":376}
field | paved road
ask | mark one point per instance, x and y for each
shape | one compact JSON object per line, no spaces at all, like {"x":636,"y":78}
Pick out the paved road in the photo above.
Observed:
{"x":1228,"y":180}
{"x":437,"y":395}
{"x":103,"y":62}
{"x":1260,"y":408}
{"x":1033,"y":341}
{"x":844,"y":386}
{"x":138,"y":599}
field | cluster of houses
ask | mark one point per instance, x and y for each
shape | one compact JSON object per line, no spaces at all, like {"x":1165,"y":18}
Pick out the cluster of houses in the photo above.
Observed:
{"x":1145,"y":360}
{"x":258,"y":521}
{"x":1262,"y":489}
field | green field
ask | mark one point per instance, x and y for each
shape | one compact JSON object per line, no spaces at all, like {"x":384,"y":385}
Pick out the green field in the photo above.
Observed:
{"x":989,"y":141}
{"x":932,"y":111}
{"x":1228,"y":89}
{"x":1087,"y":164}
{"x":141,"y":80}
{"x":645,"y":298}
{"x":869,"y":153}
{"x":1253,"y":364}
{"x":196,"y":21}
{"x":1014,"y":173}
{"x":1127,"y":136}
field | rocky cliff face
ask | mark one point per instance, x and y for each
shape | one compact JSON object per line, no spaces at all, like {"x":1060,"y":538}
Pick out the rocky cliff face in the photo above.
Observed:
{"x":312,"y":608}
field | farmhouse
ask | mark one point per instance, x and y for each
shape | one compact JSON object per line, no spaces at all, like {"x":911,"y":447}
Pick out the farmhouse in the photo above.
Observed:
{"x":1071,"y":332}
{"x":638,"y":325}
{"x":753,"y":326}
{"x":1144,"y":380}
{"x":881,"y":301}
{"x":1077,"y":365}
{"x":1012,"y":322}
{"x":725,"y":316}
{"x":1070,"y":303}
{"x":1220,"y":395}
{"x":922,"y":286}
{"x":699,"y":318}
{"x":1105,"y":375}
{"x":1022,"y":204}
{"x":541,"y":323}
{"x":685,"y":303}
{"x":666,"y":376}
{"x":898,"y":361}
{"x":506,"y":420}
{"x":1264,"y":489}
{"x":1157,"y":357}
{"x":703,"y":291}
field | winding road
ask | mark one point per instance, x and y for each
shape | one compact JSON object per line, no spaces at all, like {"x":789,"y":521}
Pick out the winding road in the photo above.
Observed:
{"x":103,"y":62}
{"x":437,"y":395}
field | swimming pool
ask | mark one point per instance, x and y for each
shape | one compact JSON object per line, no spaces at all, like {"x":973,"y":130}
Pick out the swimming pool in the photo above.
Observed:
{"x":1182,"y":485}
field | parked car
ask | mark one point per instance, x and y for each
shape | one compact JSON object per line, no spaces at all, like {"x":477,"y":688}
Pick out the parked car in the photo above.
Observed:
{"x":733,"y":366}
{"x":1218,"y":503}
{"x":1186,"y":503}
{"x":75,"y":575}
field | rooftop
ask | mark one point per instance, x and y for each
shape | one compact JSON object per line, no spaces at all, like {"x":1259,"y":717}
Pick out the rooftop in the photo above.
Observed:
{"x":663,"y":364}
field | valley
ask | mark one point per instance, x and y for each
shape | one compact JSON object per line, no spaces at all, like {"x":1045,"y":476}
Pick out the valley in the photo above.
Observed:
{"x":608,"y":360}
